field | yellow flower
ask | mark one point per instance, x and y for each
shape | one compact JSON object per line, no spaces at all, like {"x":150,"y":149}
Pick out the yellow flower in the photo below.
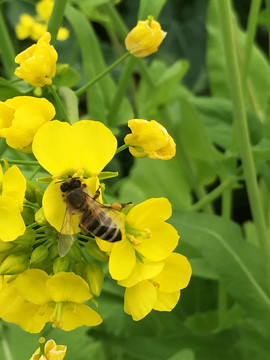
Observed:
{"x":35,"y":298}
{"x":12,"y":191}
{"x":145,"y":38}
{"x":149,"y":138}
{"x":21,"y":117}
{"x":38,"y":62}
{"x":24,"y":28}
{"x":51,"y":352}
{"x":35,"y":27}
{"x":44,"y":9}
{"x":82,"y":149}
{"x":147,"y":235}
{"x":158,"y":291}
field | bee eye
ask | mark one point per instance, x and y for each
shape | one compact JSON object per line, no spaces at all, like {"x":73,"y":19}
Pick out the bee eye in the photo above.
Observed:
{"x":76,"y":184}
{"x":64,"y":187}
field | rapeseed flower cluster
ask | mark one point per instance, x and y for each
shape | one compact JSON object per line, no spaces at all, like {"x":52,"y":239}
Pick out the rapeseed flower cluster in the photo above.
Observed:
{"x":50,"y":268}
{"x":36,"y":26}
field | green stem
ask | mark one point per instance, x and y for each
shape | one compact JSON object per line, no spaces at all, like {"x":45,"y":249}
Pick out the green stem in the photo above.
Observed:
{"x":4,"y":343}
{"x":56,"y":18}
{"x":31,"y":226}
{"x":251,"y":31}
{"x":121,"y":148}
{"x":207,"y":199}
{"x":85,"y":87}
{"x":267,"y":3}
{"x":21,"y":162}
{"x":6,"y":46}
{"x":120,"y":91}
{"x":59,"y":103}
{"x":224,"y":9}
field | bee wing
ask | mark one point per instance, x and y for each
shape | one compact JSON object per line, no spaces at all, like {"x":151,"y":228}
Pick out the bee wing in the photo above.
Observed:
{"x":99,"y":210}
{"x":67,"y":235}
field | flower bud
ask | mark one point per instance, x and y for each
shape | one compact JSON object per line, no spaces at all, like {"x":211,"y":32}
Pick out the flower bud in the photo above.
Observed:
{"x":14,"y":264}
{"x":28,"y":238}
{"x":95,"y":277}
{"x":30,"y":191}
{"x":60,"y":264}
{"x":39,"y":254}
{"x":145,"y":38}
{"x":149,"y":138}
{"x":94,"y":251}
{"x":75,"y":253}
{"x":38,"y":62}
{"x":5,"y":246}
{"x":28,"y":215}
{"x":40,"y":217}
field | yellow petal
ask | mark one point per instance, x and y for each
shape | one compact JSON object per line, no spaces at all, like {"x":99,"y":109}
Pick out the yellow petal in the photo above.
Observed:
{"x":175,"y":275}
{"x":163,"y":240}
{"x":11,"y":222}
{"x":63,"y":149}
{"x":142,"y":271}
{"x":140,"y":299}
{"x":31,"y":285}
{"x":68,"y":287}
{"x":151,"y":210}
{"x":14,"y":185}
{"x":122,"y":260}
{"x":78,"y":315}
{"x":166,"y":301}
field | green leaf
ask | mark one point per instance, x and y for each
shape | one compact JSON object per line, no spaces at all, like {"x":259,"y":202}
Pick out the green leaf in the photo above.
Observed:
{"x":150,"y":7}
{"x":186,"y":354}
{"x":100,"y":94}
{"x":258,"y":85}
{"x":71,"y":103}
{"x":157,"y":178}
{"x":238,"y":263}
{"x":66,"y":76}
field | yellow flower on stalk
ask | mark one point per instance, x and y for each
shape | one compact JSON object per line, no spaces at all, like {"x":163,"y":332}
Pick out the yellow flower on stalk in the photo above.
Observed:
{"x":147,"y":236}
{"x":12,"y":191}
{"x":82,"y":149}
{"x":145,"y":38}
{"x":35,"y":298}
{"x":21,"y":117}
{"x":151,"y":139}
{"x":160,"y":291}
{"x":38,"y":62}
{"x":51,"y":351}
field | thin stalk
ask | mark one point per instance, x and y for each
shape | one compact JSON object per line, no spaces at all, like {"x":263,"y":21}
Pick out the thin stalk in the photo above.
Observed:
{"x":90,"y":83}
{"x":6,"y":46}
{"x":251,"y":31}
{"x":21,"y":162}
{"x":121,"y":148}
{"x":59,"y":103}
{"x":56,"y":18}
{"x":214,"y":194}
{"x":120,"y":91}
{"x":4,"y":343}
{"x":224,"y":9}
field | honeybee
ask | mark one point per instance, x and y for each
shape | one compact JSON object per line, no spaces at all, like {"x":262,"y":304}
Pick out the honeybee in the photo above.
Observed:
{"x":94,"y":217}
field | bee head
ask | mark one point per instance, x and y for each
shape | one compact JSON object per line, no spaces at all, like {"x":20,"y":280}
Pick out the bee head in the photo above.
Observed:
{"x":70,"y":184}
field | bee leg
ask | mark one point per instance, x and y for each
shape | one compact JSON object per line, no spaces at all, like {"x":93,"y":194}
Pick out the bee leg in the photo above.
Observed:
{"x":84,"y":231}
{"x":97,"y":193}
{"x":118,"y":206}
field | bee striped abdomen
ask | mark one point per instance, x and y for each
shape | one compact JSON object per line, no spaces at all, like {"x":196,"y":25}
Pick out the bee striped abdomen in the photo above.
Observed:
{"x":108,"y":230}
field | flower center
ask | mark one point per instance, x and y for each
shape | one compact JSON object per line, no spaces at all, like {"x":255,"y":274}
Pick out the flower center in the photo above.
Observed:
{"x":136,"y":236}
{"x":56,"y":317}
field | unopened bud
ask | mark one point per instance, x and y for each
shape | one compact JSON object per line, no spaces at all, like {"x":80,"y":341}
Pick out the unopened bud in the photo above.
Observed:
{"x":95,"y":277}
{"x":75,"y":253}
{"x":79,"y":269}
{"x":30,"y":191}
{"x":61,"y":69}
{"x":14,"y":264}
{"x":28,"y":238}
{"x":39,"y":195}
{"x":5,"y":246}
{"x":95,"y":252}
{"x":40,"y":217}
{"x":28,"y":215}
{"x":60,"y":264}
{"x":39,"y":254}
